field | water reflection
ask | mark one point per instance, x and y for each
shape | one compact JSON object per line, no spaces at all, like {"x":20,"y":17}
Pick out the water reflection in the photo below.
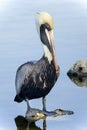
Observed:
{"x":28,"y":122}
{"x":78,"y":73}
{"x":80,"y":81}
{"x":36,"y":114}
{"x":79,"y":69}
{"x":23,"y":124}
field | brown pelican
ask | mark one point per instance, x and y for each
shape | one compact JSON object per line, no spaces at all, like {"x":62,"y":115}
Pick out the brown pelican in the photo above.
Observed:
{"x":36,"y":79}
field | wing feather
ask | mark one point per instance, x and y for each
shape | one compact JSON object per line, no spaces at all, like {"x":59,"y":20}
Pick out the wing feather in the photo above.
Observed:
{"x":22,"y":75}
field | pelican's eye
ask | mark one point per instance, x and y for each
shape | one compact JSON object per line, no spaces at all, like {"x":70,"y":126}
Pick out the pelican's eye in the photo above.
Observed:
{"x":47,"y":26}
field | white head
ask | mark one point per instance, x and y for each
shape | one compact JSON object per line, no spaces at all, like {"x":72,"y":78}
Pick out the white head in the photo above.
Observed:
{"x":44,"y":18}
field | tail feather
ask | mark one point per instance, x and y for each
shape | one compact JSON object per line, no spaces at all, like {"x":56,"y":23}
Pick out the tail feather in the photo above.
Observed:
{"x":18,"y":99}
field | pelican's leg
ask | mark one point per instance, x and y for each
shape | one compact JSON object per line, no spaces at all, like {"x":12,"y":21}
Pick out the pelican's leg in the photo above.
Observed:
{"x":28,"y":106}
{"x":44,"y":103}
{"x":44,"y":124}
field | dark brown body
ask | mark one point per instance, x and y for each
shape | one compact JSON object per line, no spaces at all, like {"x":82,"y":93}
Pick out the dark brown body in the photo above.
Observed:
{"x":41,"y":77}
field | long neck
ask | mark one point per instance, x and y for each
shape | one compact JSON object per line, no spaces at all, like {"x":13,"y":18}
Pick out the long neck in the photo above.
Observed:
{"x":55,"y":60}
{"x":47,"y":53}
{"x":46,"y":37}
{"x":51,"y":56}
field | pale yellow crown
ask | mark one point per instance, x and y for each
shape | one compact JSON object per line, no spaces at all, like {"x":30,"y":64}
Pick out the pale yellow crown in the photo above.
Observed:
{"x":44,"y":17}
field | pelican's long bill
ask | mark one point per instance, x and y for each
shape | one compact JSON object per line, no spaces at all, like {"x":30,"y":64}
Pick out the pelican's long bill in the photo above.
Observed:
{"x":45,"y":25}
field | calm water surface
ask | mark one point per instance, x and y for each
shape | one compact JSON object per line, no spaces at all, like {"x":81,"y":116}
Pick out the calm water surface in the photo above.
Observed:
{"x":19,"y":42}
